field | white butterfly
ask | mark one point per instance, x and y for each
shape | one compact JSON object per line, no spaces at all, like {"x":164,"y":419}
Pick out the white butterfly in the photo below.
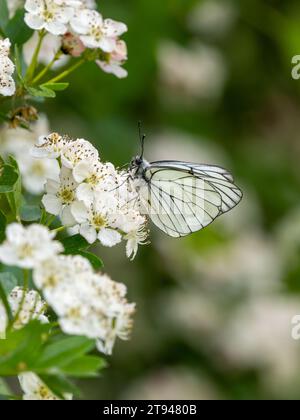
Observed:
{"x":181,"y":197}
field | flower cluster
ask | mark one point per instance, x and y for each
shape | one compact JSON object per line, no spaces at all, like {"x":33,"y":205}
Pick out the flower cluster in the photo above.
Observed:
{"x":25,"y":307}
{"x":17,"y":142}
{"x":26,"y":247}
{"x":7,"y":68}
{"x":86,"y":303}
{"x":80,"y":27}
{"x":90,"y":195}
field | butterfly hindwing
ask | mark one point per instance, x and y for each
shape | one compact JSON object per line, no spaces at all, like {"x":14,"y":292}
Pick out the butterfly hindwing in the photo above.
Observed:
{"x":182,"y":198}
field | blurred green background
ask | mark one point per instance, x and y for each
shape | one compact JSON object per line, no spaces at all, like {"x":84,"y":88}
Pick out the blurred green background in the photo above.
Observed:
{"x":211,"y":81}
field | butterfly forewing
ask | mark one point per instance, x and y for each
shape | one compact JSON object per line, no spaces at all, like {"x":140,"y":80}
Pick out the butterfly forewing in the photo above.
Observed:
{"x":182,"y":198}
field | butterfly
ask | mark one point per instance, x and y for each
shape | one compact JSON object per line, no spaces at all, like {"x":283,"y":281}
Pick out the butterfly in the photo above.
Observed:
{"x":182,"y":197}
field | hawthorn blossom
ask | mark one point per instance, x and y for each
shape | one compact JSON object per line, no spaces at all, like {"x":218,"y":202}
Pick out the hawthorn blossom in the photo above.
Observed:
{"x":51,"y":15}
{"x":7,"y":68}
{"x":49,"y":146}
{"x":60,"y":196}
{"x":85,"y":302}
{"x":92,"y":197}
{"x":94,"y":176}
{"x":95,"y":32}
{"x":112,"y":62}
{"x":98,"y":221}
{"x":78,"y":151}
{"x":35,"y":390}
{"x":134,"y":239}
{"x":25,"y":247}
{"x":26,"y":305}
{"x":18,"y":142}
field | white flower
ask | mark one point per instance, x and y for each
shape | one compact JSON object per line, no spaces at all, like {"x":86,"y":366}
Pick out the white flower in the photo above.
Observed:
{"x":86,"y":303}
{"x":28,"y":305}
{"x":18,"y":142}
{"x":78,"y":151}
{"x":95,"y":32}
{"x":50,"y":146}
{"x":48,"y":15}
{"x":112,"y":63}
{"x":25,"y":247}
{"x":35,"y":390}
{"x":61,"y":196}
{"x":134,"y":239}
{"x":89,"y":4}
{"x":98,"y":221}
{"x":93,"y":177}
{"x":51,"y":44}
{"x":7,"y":68}
{"x":93,"y":197}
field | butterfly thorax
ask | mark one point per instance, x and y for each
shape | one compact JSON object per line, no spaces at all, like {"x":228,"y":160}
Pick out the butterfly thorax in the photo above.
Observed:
{"x":138,"y":166}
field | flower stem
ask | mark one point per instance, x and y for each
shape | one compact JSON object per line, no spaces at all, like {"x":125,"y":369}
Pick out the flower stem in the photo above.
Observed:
{"x":47,"y":68}
{"x":34,"y":60}
{"x":59,"y":229}
{"x":67,"y":72}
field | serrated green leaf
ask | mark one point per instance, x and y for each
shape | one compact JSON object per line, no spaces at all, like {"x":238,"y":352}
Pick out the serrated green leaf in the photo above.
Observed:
{"x":57,"y":87}
{"x":74,"y":244}
{"x":4,"y":14}
{"x":42,"y":93}
{"x":30,"y":213}
{"x":21,"y":348}
{"x":17,"y":30}
{"x":64,"y":351}
{"x":96,"y":262}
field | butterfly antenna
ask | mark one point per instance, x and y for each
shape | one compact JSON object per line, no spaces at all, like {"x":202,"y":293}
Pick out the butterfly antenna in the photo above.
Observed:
{"x":142,"y":139}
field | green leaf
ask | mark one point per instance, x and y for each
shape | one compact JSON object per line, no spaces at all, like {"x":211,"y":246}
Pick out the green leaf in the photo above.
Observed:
{"x":8,"y":178}
{"x":74,"y":244}
{"x":96,"y":262}
{"x":19,"y":63}
{"x":3,"y":223}
{"x":20,"y":350}
{"x":30,"y":213}
{"x":17,"y":30}
{"x":41,"y":92}
{"x":85,"y":367}
{"x":8,"y":282}
{"x":15,"y":197}
{"x":4,"y":14}
{"x":57,"y":87}
{"x":63,"y":352}
{"x":59,"y":385}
